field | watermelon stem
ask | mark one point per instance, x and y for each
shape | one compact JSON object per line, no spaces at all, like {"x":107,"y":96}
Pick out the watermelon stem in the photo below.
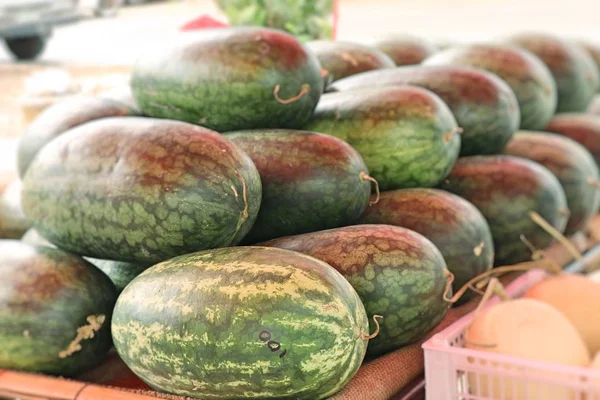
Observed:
{"x":449,"y":135}
{"x":364,"y":176}
{"x":450,"y":280}
{"x":305,"y":88}
{"x":594,"y":182}
{"x":536,"y":254}
{"x":545,"y":225}
{"x":365,"y":336}
{"x":545,"y":264}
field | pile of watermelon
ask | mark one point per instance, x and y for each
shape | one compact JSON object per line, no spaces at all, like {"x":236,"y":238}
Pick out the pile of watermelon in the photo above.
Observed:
{"x":258,"y":216}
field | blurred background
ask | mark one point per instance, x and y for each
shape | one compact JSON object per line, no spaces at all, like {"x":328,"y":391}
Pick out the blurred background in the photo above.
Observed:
{"x":105,"y":36}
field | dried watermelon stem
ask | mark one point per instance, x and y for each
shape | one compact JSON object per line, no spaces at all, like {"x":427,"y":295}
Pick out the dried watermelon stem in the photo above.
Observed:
{"x":366,"y":177}
{"x":545,"y":225}
{"x":366,"y":336}
{"x":449,"y":281}
{"x":305,"y":88}
{"x":546,"y":264}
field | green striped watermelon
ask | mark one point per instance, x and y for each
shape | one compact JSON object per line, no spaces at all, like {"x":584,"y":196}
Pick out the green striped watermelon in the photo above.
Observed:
{"x":242,"y":322}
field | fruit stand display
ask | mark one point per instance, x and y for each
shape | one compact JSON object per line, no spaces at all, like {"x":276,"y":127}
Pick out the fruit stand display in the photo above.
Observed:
{"x":252,"y":216}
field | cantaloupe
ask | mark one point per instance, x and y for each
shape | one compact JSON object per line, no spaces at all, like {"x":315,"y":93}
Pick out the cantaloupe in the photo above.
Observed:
{"x":527,"y":329}
{"x":595,"y":276}
{"x":578,"y":298}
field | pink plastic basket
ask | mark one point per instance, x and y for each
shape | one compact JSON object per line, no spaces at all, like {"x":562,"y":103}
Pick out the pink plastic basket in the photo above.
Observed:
{"x":453,"y":372}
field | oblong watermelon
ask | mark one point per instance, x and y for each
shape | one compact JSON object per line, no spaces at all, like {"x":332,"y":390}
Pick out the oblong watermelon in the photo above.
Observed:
{"x":583,"y":128}
{"x":141,"y":189}
{"x":55,"y":310}
{"x":407,"y":136}
{"x":230,"y":78}
{"x":528,"y":77}
{"x":59,"y":118}
{"x":242,"y":322}
{"x":406,"y":49}
{"x":571,"y":163}
{"x":506,"y":189}
{"x":574,"y":71}
{"x":310,"y":181}
{"x":455,"y":226}
{"x":484,"y":106}
{"x":341,"y":59}
{"x":396,"y":272}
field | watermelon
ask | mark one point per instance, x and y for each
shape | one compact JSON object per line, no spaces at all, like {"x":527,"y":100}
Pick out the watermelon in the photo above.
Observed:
{"x":407,"y":136}
{"x":396,"y":272}
{"x":483,"y":104}
{"x":310,"y":181}
{"x":242,"y":322}
{"x":526,"y":74}
{"x":583,"y":128}
{"x":506,"y":189}
{"x":455,"y":226}
{"x":406,"y":49}
{"x":55,"y":310}
{"x":59,"y":118}
{"x":13,"y":223}
{"x":229,"y":78}
{"x":141,"y":190}
{"x":577,"y":78}
{"x":341,"y":59}
{"x":119,"y":272}
{"x":572,"y":164}
{"x":593,"y":51}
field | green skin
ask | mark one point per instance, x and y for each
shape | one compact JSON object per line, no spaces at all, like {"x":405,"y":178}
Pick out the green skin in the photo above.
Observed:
{"x":572,"y":164}
{"x":397,"y":273}
{"x":342,"y":59}
{"x":192,"y":325}
{"x":59,"y":118}
{"x":141,"y":190}
{"x":13,"y":223}
{"x":310,"y":182}
{"x":406,"y":50}
{"x":594,"y":51}
{"x":407,"y":136}
{"x":528,"y":77}
{"x":119,"y":272}
{"x":454,"y":225}
{"x":506,"y":189}
{"x":583,"y":128}
{"x":46,"y":296}
{"x":228,"y":79}
{"x":483,"y":104}
{"x":573,"y":69}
